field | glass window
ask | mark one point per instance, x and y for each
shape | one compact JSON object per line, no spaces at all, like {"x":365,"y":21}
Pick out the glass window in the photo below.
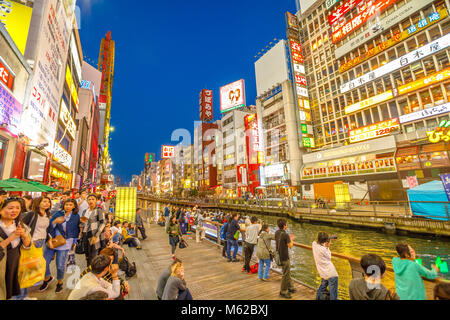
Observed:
{"x":360,"y":119}
{"x":363,"y":93}
{"x":429,"y":65}
{"x":442,"y":58}
{"x":401,"y":51}
{"x":447,"y":90}
{"x":411,"y":44}
{"x":409,"y":128}
{"x":353,"y":124}
{"x":422,"y":39}
{"x":407,"y":75}
{"x":419,"y":125}
{"x":397,"y":78}
{"x":368,"y":117}
{"x":379,"y":86}
{"x":393,"y":108}
{"x":413,"y":102}
{"x":438,"y":95}
{"x":415,"y":18}
{"x":387,"y":82}
{"x":392,"y":55}
{"x":404,"y":107}
{"x":375,"y":115}
{"x":431,"y":124}
{"x":418,"y":70}
{"x":384,"y":111}
{"x":425,"y":96}
{"x":435,"y":33}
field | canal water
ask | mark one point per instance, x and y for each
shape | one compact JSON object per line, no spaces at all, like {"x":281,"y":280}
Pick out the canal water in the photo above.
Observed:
{"x":351,"y":242}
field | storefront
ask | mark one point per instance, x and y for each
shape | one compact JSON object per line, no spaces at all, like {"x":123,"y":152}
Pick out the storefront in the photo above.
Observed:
{"x":426,"y":162}
{"x":275,"y":180}
{"x":60,"y":179}
{"x":365,"y":167}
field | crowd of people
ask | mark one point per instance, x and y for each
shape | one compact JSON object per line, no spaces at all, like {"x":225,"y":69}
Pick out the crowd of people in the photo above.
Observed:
{"x":56,"y":227}
{"x":409,"y":283}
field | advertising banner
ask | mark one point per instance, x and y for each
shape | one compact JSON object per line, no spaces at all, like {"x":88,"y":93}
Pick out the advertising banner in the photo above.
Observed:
{"x":445,"y":178}
{"x":411,"y":57}
{"x":232,"y":96}
{"x":361,"y":18}
{"x":6,"y":76}
{"x":67,"y":120}
{"x":10,"y":110}
{"x":206,"y":105}
{"x":397,"y":38}
{"x":168,"y":152}
{"x":39,"y":118}
{"x":62,"y":156}
{"x":376,"y":130}
{"x":342,"y":10}
{"x":433,"y":111}
{"x":412,"y":182}
{"x":377,"y":26}
{"x":16,"y":18}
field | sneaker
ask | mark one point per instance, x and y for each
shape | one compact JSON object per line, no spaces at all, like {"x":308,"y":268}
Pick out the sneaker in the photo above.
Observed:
{"x":229,"y":260}
{"x":292,"y":290}
{"x":235,"y":260}
{"x":59,"y":288}
{"x":45,"y":284}
{"x":138,"y":248}
{"x":286,"y":295}
{"x":225,"y":257}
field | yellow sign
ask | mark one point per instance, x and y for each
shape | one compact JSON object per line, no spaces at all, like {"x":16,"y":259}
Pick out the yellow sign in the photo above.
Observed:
{"x":72,"y":88}
{"x":369,"y":102}
{"x":418,"y":84}
{"x":126,"y":204}
{"x":412,"y":86}
{"x":16,"y":18}
{"x":376,"y":130}
{"x":60,"y":174}
{"x":187,"y":183}
{"x":440,"y":134}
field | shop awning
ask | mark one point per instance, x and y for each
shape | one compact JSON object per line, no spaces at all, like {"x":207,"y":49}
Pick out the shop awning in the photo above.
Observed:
{"x":14,"y":184}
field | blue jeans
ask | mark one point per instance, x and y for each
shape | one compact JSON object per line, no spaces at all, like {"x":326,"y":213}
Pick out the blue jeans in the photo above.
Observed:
{"x":232,"y":243}
{"x":332,"y":283}
{"x":24,"y":291}
{"x":184,"y":295}
{"x":61,"y":256}
{"x":264,"y":268}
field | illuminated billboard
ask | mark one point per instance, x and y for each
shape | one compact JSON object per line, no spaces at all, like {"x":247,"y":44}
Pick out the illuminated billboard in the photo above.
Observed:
{"x":16,"y":19}
{"x":361,"y":18}
{"x":167,"y":152}
{"x":232,"y":96}
{"x":375,"y":130}
{"x":206,"y":105}
{"x":342,"y":10}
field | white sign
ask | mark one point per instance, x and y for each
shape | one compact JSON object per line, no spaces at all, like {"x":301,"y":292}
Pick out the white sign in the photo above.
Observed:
{"x":275,"y":170}
{"x":75,"y":56}
{"x":398,"y":63}
{"x":412,"y":182}
{"x":232,"y":96}
{"x":372,"y":146}
{"x":67,"y":120}
{"x":39,"y":118}
{"x":299,"y":68}
{"x":377,"y":26}
{"x":443,"y":108}
{"x":330,"y":3}
{"x":62,"y":156}
{"x":302,"y":91}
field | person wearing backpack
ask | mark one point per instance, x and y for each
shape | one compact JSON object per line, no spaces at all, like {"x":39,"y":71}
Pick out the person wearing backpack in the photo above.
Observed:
{"x":233,"y":230}
{"x":251,"y":239}
{"x":264,"y":252}
{"x":223,"y":236}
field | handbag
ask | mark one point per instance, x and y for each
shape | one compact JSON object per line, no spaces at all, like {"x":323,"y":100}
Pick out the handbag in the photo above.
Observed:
{"x":31,"y":266}
{"x":270,"y":251}
{"x":57,"y":241}
{"x":183,"y":244}
{"x":79,"y":247}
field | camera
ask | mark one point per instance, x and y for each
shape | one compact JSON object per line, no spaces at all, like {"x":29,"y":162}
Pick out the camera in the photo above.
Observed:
{"x":332,"y":237}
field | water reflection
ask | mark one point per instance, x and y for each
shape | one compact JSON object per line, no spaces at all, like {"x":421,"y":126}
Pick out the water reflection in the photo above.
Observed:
{"x":354,"y":243}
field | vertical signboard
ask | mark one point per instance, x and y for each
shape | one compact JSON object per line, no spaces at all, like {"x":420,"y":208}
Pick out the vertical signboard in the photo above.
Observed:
{"x":206,"y":105}
{"x":299,"y":79}
{"x":39,"y":118}
{"x":445,"y":178}
{"x":10,"y":110}
{"x":168,"y":152}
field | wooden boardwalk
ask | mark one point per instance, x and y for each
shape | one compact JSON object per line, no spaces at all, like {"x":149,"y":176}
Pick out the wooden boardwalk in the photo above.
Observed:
{"x":208,"y":275}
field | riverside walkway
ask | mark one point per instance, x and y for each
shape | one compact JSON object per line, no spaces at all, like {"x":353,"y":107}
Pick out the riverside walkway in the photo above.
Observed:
{"x":208,"y":275}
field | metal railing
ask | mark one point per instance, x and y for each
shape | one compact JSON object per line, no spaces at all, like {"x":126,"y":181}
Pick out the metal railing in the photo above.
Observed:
{"x":353,"y":208}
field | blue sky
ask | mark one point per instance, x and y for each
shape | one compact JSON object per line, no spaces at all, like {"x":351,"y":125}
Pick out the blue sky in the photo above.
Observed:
{"x":166,"y":52}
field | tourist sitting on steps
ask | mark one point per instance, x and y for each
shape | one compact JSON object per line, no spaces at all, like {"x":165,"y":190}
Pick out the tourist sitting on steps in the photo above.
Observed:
{"x":162,"y":280}
{"x":175,"y":288}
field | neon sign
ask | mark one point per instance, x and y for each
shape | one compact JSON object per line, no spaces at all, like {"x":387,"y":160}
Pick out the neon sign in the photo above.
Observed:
{"x":442,"y":133}
{"x":376,"y":130}
{"x":339,"y":12}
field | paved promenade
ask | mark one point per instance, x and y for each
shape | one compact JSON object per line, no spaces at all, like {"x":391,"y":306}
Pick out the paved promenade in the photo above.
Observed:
{"x":208,"y":275}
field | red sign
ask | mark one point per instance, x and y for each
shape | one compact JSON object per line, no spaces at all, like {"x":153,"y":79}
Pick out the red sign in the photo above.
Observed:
{"x":300,"y":80}
{"x":6,"y":76}
{"x":297,"y":57}
{"x":361,"y":18}
{"x":168,"y":152}
{"x":339,"y":12}
{"x":295,"y":46}
{"x":206,"y":105}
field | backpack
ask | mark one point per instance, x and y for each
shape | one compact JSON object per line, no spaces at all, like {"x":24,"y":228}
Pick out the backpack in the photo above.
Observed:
{"x":223,"y":232}
{"x":127,"y":267}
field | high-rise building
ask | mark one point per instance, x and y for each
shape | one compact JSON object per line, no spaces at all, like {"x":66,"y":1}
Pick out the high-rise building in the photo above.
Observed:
{"x":379,"y":85}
